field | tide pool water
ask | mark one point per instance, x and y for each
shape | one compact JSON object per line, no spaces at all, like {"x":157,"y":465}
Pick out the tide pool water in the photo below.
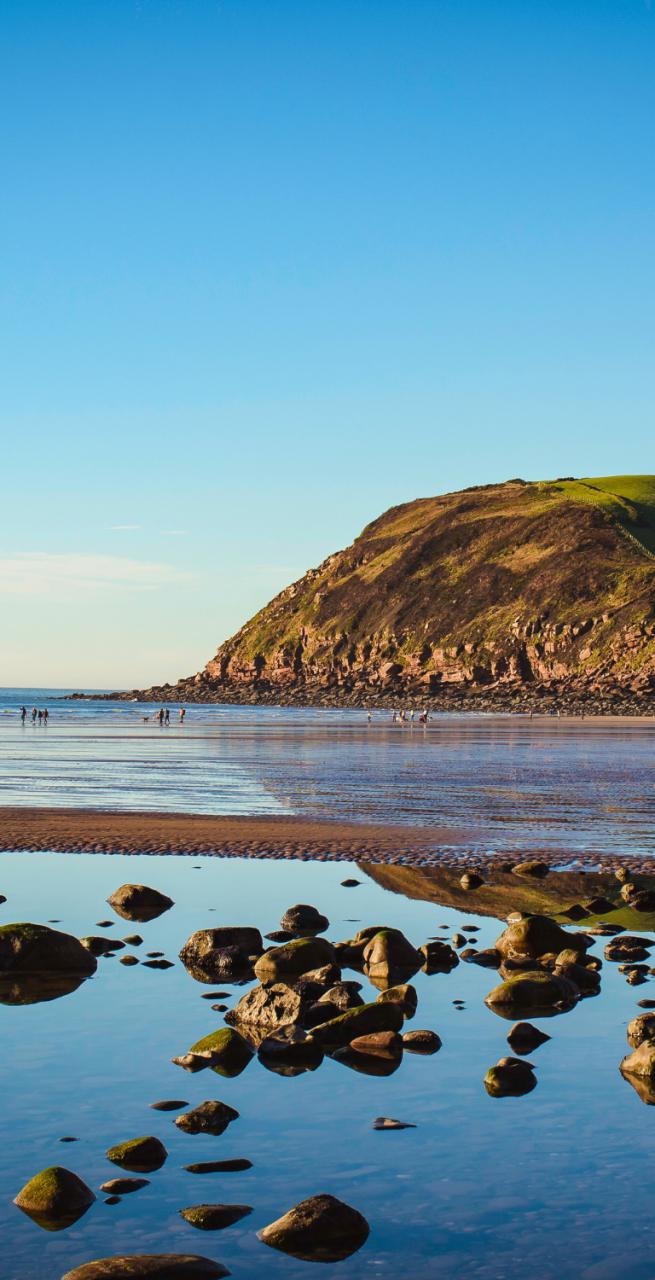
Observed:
{"x":555,"y":1185}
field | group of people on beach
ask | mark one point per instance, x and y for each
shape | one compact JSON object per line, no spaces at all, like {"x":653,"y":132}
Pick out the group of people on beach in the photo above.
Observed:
{"x":41,"y":716}
{"x":164,"y":716}
{"x":407,"y":717}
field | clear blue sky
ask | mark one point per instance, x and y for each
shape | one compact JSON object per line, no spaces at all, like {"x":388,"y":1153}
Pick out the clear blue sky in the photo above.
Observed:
{"x":270,"y":267}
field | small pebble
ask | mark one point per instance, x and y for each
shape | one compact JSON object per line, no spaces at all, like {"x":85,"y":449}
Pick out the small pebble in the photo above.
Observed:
{"x":216,"y":995}
{"x":219,"y":1008}
{"x":69,"y":1139}
{"x":113,"y":1200}
{"x":169,"y":1104}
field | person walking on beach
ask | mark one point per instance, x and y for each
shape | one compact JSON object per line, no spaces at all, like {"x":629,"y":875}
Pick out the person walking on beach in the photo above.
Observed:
{"x":45,"y":715}
{"x":34,"y":715}
{"x":167,"y":716}
{"x":182,"y":715}
{"x":23,"y":714}
{"x":40,"y":715}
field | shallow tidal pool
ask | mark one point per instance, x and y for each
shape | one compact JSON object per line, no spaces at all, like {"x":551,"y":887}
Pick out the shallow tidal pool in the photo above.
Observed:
{"x":552,"y":1185}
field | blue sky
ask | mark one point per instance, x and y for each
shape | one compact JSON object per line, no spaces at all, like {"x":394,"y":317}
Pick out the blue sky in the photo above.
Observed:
{"x":270,"y":267}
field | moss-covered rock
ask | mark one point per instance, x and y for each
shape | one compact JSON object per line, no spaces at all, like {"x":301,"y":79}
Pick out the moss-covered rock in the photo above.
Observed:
{"x":230,"y":1052}
{"x":533,"y":991}
{"x":293,"y":959}
{"x":55,"y":1198}
{"x":34,"y":948}
{"x":403,"y":995}
{"x":362,"y":1021}
{"x":214,"y":1217}
{"x":389,"y":957}
{"x":536,"y":935}
{"x":142,"y":1155}
{"x":149,"y":1266}
{"x":510,"y":1078}
{"x":321,"y":1229}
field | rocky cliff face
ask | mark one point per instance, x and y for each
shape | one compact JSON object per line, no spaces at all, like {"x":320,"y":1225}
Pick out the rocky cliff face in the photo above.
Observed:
{"x":508,"y":590}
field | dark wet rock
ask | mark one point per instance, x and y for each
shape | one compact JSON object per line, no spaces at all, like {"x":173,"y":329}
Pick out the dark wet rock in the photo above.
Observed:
{"x":213,"y":954}
{"x":386,"y":1122}
{"x":585,"y":979}
{"x":101,"y":946}
{"x":534,"y":991}
{"x":219,"y":1166}
{"x":524,"y":1038}
{"x":139,"y":902}
{"x":642,"y":900}
{"x":604,"y":930}
{"x":214,"y":1217}
{"x":471,"y":880}
{"x":635,"y":978}
{"x":280,"y":935}
{"x":35,"y":948}
{"x":321,"y":1229}
{"x":290,"y":1056}
{"x":641,"y":1062}
{"x":104,"y":924}
{"x":219,"y":1008}
{"x":535,"y":870}
{"x":214,"y":995}
{"x":511,"y":1077}
{"x":487,"y":959}
{"x":55,"y":1198}
{"x":304,"y":921}
{"x":646,"y":1004}
{"x":230,"y":1051}
{"x":388,"y":957}
{"x":37,"y":988}
{"x":133,"y":940}
{"x":641,"y":1028}
{"x":3,"y":898}
{"x":379,"y":1044}
{"x":157,"y":964}
{"x":403,"y":995}
{"x":350,"y":883}
{"x":129,"y":961}
{"x":293,"y":959}
{"x":575,"y":912}
{"x":124,"y":1186}
{"x":149,"y":1266}
{"x":458,"y":940}
{"x":209,"y":1117}
{"x":154,"y":955}
{"x":641,"y":969}
{"x":426,"y":1042}
{"x":67,"y":1139}
{"x":626,"y":948}
{"x":342,"y":996}
{"x":364,"y":1020}
{"x":536,"y":935}
{"x":169,"y":1104}
{"x":599,"y":906}
{"x":112,"y":1200}
{"x":438,"y":957}
{"x":140,"y":1155}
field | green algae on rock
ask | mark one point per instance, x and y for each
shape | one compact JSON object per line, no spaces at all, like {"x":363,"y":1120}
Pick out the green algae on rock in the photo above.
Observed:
{"x":293,"y":959}
{"x":214,"y":1217}
{"x":55,"y":1198}
{"x":533,"y":991}
{"x":230,"y":1052}
{"x":142,"y":1155}
{"x":34,"y":948}
{"x":366,"y":1019}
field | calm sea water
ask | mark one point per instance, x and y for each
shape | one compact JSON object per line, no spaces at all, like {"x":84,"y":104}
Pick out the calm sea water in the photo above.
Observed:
{"x":501,"y":781}
{"x":555,"y":1185}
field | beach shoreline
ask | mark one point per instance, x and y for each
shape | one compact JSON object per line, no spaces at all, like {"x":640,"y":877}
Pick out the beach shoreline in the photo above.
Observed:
{"x":81,"y":830}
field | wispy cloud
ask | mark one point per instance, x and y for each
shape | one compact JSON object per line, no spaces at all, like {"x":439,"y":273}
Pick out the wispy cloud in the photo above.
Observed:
{"x":124,"y":528}
{"x":46,"y":573}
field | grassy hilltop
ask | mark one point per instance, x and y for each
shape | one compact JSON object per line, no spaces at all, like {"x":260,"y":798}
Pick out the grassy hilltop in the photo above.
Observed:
{"x":508,"y":587}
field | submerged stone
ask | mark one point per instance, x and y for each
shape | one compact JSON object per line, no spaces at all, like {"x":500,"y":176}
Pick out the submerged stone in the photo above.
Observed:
{"x":510,"y":1077}
{"x":536,"y":935}
{"x":214,"y":1217}
{"x":149,"y":1266}
{"x":209,"y":1117}
{"x":304,"y":920}
{"x":426,"y":1042}
{"x":532,"y":990}
{"x":143,"y":1155}
{"x":219,"y":1166}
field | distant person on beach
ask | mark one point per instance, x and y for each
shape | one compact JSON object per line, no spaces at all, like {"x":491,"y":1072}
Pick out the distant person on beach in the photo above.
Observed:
{"x":40,"y":715}
{"x":45,"y":715}
{"x":34,"y":714}
{"x":182,"y":715}
{"x":167,"y":716}
{"x":161,"y":715}
{"x":369,"y":717}
{"x":23,"y":714}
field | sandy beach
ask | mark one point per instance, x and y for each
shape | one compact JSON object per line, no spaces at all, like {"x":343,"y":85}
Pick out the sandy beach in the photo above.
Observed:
{"x":96,"y":831}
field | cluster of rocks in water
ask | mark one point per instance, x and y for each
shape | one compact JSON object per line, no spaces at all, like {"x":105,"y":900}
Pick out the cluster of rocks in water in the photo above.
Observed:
{"x":299,"y":1009}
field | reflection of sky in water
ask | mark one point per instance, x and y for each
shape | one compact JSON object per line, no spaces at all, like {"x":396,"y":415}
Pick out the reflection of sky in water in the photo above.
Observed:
{"x":510,"y":782}
{"x":555,"y":1185}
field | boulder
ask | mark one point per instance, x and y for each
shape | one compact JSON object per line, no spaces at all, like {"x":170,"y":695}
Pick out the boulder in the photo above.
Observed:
{"x":535,"y":870}
{"x":471,"y":880}
{"x":55,"y":1198}
{"x":303,"y":921}
{"x":230,"y":1052}
{"x":140,"y":1155}
{"x":209,"y":1117}
{"x":641,"y":1028}
{"x":536,"y":935}
{"x":214,"y":1217}
{"x":438,"y":957}
{"x":268,"y":1007}
{"x":382,"y":1044}
{"x":364,"y":1020}
{"x":138,"y":902}
{"x":625,"y":948}
{"x":321,"y":1229}
{"x":293,"y":959}
{"x":642,"y":1062}
{"x":388,"y":956}
{"x":99,"y":946}
{"x":585,"y":979}
{"x":532,"y":991}
{"x":642,"y":900}
{"x":35,"y":948}
{"x":511,"y":1077}
{"x":487,"y":959}
{"x":212,"y":955}
{"x":523,"y":1038}
{"x":149,"y":1266}
{"x":403,"y":995}
{"x":426,"y":1042}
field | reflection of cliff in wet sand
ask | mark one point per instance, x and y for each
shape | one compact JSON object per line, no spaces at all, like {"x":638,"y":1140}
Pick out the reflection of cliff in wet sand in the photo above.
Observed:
{"x":505,"y":891}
